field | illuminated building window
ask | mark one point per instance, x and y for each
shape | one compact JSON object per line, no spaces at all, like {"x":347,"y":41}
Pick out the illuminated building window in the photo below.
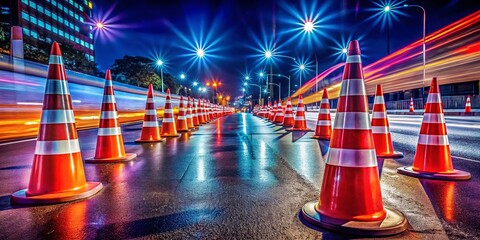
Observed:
{"x":26,"y":31}
{"x":41,"y":23}
{"x":33,"y":19}
{"x":25,"y":15}
{"x":48,"y":13}
{"x":48,"y":27}
{"x":40,"y":8}
{"x":33,"y":5}
{"x":25,"y":1}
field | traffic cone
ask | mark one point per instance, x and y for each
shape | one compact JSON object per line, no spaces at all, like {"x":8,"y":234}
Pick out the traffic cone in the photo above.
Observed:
{"x":350,"y":197}
{"x":432,"y":158}
{"x":109,"y":140}
{"x":57,"y":173}
{"x":279,"y":115}
{"x":210,"y":110}
{"x":273,"y":111}
{"x":300,"y":123}
{"x":468,"y":106}
{"x":189,"y":115}
{"x":411,"y":109}
{"x":181,"y":123}
{"x":201,"y":113}
{"x":196,"y":122}
{"x":380,"y":128}
{"x":150,"y":128}
{"x":323,"y":129}
{"x":168,"y":123}
{"x":288,"y":117}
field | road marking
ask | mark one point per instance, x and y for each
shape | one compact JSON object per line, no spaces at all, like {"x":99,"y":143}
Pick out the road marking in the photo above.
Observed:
{"x":467,"y":159}
{"x":19,"y":141}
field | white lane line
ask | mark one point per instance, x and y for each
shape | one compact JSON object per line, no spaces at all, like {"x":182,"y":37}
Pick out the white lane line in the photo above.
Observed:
{"x":466,"y":159}
{"x":19,"y":141}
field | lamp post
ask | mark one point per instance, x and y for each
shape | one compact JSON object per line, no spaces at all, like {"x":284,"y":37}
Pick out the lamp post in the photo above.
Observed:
{"x":160,"y":64}
{"x":259,"y":90}
{"x":386,"y":10}
{"x":279,"y":89}
{"x":280,"y":75}
{"x":423,"y":45}
{"x":270,"y":55}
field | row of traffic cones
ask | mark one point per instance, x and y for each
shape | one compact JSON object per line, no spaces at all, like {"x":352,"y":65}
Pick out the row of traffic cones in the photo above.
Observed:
{"x":350,"y":196}
{"x":57,"y":172}
{"x":468,"y":105}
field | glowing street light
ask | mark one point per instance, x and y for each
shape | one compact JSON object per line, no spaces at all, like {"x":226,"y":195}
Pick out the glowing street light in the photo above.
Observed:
{"x":195,"y":84}
{"x":160,"y":64}
{"x":268,"y":54}
{"x":344,"y":50}
{"x":182,"y":76}
{"x":302,"y":67}
{"x":247,"y":78}
{"x":308,"y":26}
{"x":200,"y":53}
{"x":99,"y":25}
{"x":261,"y":74}
{"x":386,"y":8}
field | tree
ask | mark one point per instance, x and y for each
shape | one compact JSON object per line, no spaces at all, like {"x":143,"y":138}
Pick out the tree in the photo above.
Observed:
{"x":140,"y":71}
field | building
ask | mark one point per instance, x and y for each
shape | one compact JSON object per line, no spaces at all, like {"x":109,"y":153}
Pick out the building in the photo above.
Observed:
{"x":65,"y":21}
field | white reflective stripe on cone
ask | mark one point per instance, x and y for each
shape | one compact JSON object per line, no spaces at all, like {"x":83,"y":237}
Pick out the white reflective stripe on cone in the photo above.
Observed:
{"x":181,"y":118}
{"x":300,"y":109}
{"x":352,"y":157}
{"x":433,"y":118}
{"x":109,"y":115}
{"x":109,"y":99}
{"x":55,"y":86}
{"x":380,"y":129}
{"x":323,"y":123}
{"x":149,"y":100}
{"x":324,"y":111}
{"x":379,"y":100}
{"x":434,"y":98}
{"x":352,"y":87}
{"x":55,"y":59}
{"x":57,"y":116}
{"x":439,"y":140}
{"x":299,"y":118}
{"x":324,"y":100}
{"x":57,"y":147}
{"x":150,"y":124}
{"x":168,"y":120}
{"x":150,"y":112}
{"x":168,"y":111}
{"x":354,"y":59}
{"x":108,"y":83}
{"x":109,"y":131}
{"x":379,"y":115}
{"x":352,"y":120}
{"x":288,"y":115}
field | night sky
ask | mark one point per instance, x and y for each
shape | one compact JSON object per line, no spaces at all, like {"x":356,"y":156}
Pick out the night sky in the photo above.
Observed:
{"x":236,"y":31}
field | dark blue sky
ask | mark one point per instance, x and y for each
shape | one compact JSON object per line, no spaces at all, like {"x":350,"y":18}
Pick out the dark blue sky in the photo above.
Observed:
{"x":237,"y":29}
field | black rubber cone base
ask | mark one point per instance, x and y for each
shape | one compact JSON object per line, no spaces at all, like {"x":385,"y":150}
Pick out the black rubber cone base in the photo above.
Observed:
{"x":456,"y":175}
{"x":21,"y":197}
{"x":322,"y":138}
{"x":395,"y":155}
{"x":298,"y":130}
{"x":128,"y":157}
{"x":148,"y":141}
{"x":171,"y":135}
{"x":394,"y":223}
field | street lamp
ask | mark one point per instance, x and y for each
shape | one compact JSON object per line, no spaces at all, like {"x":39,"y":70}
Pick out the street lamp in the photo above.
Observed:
{"x":308,"y":26}
{"x":200,"y":52}
{"x":268,"y":54}
{"x":182,"y":76}
{"x":386,"y":10}
{"x":279,"y":85}
{"x":302,"y":68}
{"x":160,"y":64}
{"x":259,"y":90}
{"x":278,"y":75}
{"x":99,"y":25}
{"x":423,"y":44}
{"x":344,"y":50}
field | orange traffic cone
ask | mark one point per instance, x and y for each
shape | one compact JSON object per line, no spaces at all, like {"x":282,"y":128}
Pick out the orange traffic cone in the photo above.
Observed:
{"x":273,"y":111}
{"x":288,"y":117}
{"x":279,"y":115}
{"x":380,"y":128}
{"x":324,"y":122}
{"x":195,"y":119}
{"x":300,"y":123}
{"x":57,"y":171}
{"x":109,"y":140}
{"x":210,"y":110}
{"x":411,"y":109}
{"x":150,"y":128}
{"x":468,"y":105}
{"x":189,"y":115}
{"x":201,"y":113}
{"x":168,"y":124}
{"x":432,"y":158}
{"x":181,"y":123}
{"x":350,"y":197}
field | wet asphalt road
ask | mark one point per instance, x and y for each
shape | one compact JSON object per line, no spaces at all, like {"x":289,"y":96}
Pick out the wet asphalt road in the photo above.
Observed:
{"x":237,"y":177}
